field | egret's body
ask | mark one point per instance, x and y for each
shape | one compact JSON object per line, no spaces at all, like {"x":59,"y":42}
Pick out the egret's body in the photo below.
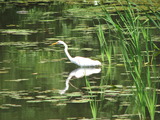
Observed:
{"x":80,"y":61}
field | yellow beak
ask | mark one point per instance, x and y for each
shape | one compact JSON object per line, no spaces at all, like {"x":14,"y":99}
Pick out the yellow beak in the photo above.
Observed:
{"x":54,"y":43}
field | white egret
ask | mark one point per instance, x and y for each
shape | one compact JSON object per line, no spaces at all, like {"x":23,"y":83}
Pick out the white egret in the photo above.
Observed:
{"x":80,"y":61}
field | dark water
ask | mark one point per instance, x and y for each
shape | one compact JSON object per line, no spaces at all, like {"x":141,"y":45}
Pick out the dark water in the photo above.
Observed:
{"x":37,"y":81}
{"x":29,"y":67}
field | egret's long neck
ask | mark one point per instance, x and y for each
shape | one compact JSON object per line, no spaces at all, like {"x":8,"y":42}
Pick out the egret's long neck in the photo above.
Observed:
{"x":66,"y":51}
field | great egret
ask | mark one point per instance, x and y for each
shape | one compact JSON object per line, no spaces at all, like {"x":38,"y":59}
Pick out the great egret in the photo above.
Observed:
{"x":80,"y":61}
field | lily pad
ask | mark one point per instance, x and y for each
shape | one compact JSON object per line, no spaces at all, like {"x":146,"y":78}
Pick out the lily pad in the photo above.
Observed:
{"x":58,"y":97}
{"x":52,"y":39}
{"x":74,"y":94}
{"x":61,"y":104}
{"x":81,"y":101}
{"x":89,"y":96}
{"x":34,"y":101}
{"x":20,"y":44}
{"x":28,"y":98}
{"x":17,"y":80}
{"x":52,"y":100}
{"x":18,"y":31}
{"x":41,"y":96}
{"x":11,"y":105}
{"x":3,"y":71}
{"x":96,"y":92}
{"x":47,"y":20}
{"x":4,"y":107}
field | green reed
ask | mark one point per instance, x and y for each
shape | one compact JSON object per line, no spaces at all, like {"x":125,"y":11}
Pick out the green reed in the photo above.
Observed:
{"x":105,"y":46}
{"x":93,"y":102}
{"x":136,"y":45}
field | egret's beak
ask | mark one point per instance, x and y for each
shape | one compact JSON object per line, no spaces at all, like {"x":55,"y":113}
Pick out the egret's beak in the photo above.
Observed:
{"x":54,"y":43}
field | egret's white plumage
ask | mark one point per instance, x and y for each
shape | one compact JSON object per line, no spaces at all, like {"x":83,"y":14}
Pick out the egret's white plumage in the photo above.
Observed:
{"x":80,"y":61}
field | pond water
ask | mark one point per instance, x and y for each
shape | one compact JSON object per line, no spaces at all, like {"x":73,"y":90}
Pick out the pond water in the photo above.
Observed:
{"x":37,"y":81}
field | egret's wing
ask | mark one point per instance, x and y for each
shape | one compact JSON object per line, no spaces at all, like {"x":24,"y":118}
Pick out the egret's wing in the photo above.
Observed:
{"x":82,"y":61}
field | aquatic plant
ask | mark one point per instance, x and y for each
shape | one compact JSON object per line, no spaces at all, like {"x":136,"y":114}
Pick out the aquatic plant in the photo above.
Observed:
{"x":105,"y":46}
{"x":136,"y":45}
{"x":93,"y":102}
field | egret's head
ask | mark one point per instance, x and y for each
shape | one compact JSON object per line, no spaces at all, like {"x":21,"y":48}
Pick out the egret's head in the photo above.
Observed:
{"x":58,"y":42}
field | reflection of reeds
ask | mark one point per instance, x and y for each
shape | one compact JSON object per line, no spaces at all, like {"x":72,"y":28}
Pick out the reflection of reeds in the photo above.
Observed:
{"x":134,"y":37}
{"x":34,"y":15}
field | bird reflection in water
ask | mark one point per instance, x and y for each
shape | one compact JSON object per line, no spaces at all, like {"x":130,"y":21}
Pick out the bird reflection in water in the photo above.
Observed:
{"x":79,"y":73}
